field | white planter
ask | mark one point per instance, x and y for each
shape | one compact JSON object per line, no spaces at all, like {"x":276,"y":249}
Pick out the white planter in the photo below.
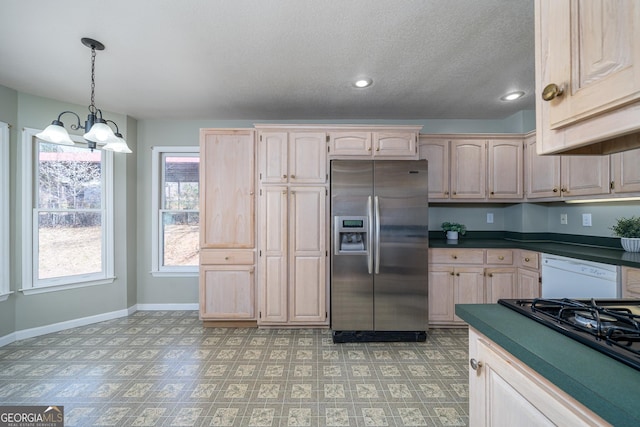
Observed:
{"x":630,"y":244}
{"x":452,"y":235}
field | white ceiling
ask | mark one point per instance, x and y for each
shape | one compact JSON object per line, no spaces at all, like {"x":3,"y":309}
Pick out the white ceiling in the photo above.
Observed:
{"x":275,"y":59}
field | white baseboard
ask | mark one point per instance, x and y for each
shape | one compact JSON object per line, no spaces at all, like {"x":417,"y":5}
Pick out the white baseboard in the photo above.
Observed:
{"x":74,"y":323}
{"x":168,"y":307}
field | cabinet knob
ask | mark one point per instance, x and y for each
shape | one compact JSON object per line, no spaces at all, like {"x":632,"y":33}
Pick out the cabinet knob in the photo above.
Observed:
{"x":293,"y":177}
{"x":555,"y":190}
{"x":454,"y":193}
{"x":454,"y":256}
{"x":226,"y":258}
{"x":368,"y":148}
{"x":500,"y":257}
{"x":446,"y":193}
{"x":490,"y":274}
{"x":551,"y":91}
{"x":284,"y":176}
{"x":475,"y":364}
{"x":492,"y":193}
{"x":458,"y":274}
{"x":452,"y":273}
{"x":284,"y":191}
{"x":564,"y":190}
{"x":527,"y":260}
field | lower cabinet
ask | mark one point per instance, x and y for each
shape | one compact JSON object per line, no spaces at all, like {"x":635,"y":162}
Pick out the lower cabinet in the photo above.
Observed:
{"x":477,"y":276}
{"x":292,"y":282}
{"x":227,"y":292}
{"x":503,"y":391}
{"x":630,"y":282}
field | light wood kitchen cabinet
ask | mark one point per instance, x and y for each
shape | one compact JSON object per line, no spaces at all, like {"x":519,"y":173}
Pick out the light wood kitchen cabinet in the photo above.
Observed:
{"x":374,"y":142}
{"x":630,"y":282}
{"x":503,"y":391}
{"x":227,"y":226}
{"x":591,"y":52}
{"x":468,"y":169}
{"x":505,"y":172}
{"x":292,"y":284}
{"x":550,"y":176}
{"x":625,"y":171}
{"x":436,"y":152}
{"x":227,"y":188}
{"x":477,"y":276}
{"x":292,"y":157}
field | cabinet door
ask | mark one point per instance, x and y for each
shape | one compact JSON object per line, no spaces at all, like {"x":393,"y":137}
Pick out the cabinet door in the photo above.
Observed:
{"x":395,"y":144}
{"x":273,"y":254}
{"x":436,"y":152}
{"x":626,"y":171}
{"x":584,"y":175}
{"x":468,"y":169}
{"x":307,"y":157}
{"x":227,"y":292}
{"x":505,"y":169}
{"x":500,"y":283}
{"x":528,"y":284}
{"x":227,"y":189}
{"x":468,"y":286}
{"x":307,"y":259}
{"x":273,"y":157}
{"x":592,"y":51}
{"x":441,"y":306}
{"x":350,"y":143}
{"x":542,"y":173}
{"x":630,"y":282}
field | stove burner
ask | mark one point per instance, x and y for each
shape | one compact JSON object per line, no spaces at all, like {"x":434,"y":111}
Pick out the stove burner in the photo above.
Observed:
{"x":590,"y":319}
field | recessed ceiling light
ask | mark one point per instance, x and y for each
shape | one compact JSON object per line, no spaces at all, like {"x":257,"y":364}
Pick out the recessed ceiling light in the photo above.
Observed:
{"x":362,"y":83}
{"x":512,"y":96}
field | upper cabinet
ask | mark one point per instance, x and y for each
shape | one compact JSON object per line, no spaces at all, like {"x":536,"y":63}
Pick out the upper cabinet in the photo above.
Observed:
{"x":587,"y":76}
{"x":564,"y":176}
{"x":374,"y":142}
{"x":292,"y":157}
{"x":464,"y":167}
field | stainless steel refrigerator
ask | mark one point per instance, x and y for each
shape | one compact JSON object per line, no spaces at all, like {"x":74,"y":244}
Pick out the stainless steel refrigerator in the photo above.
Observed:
{"x":379,"y":246}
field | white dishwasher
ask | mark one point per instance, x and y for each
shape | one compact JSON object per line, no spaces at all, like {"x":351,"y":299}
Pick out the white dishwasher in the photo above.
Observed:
{"x":564,"y":277}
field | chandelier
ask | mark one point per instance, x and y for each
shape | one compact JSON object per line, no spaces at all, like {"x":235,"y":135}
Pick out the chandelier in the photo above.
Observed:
{"x":97,"y":131}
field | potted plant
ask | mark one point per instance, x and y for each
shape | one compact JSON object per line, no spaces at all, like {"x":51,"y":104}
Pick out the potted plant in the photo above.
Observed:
{"x":628,"y":229}
{"x":453,"y":229}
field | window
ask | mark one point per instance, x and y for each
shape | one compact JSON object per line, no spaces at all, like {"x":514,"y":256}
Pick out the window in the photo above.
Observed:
{"x":176,"y":219}
{"x":68,"y":216}
{"x":4,"y":212}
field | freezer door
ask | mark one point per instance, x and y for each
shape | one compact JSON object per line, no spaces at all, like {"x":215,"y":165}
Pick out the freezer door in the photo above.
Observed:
{"x":351,"y":282}
{"x":400,"y":249}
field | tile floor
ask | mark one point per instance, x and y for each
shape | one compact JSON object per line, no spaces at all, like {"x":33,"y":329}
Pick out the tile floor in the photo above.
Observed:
{"x":158,"y":368}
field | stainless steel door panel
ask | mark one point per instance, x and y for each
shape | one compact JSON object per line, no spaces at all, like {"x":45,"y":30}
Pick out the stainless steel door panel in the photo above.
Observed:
{"x":351,"y":282}
{"x":400,"y":293}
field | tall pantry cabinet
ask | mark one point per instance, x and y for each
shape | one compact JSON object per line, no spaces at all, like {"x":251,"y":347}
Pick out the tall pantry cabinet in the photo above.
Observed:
{"x":292,"y":250}
{"x":227,"y":226}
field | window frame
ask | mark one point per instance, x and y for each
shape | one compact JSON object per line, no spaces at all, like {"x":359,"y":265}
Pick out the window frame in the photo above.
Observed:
{"x":157,"y":185}
{"x":30,"y":283}
{"x":5,"y":195}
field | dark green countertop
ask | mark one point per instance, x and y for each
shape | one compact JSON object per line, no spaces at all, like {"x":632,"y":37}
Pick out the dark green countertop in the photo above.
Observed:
{"x":572,"y":246}
{"x":609,"y":388}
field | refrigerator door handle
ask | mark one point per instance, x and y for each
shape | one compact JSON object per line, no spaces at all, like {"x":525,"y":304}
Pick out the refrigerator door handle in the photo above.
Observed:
{"x":377,"y":233}
{"x":370,"y":231}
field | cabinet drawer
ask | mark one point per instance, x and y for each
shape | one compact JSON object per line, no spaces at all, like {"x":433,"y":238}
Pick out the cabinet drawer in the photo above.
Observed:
{"x":226,"y":257}
{"x":500,"y":256}
{"x":456,"y":256}
{"x":529,"y":259}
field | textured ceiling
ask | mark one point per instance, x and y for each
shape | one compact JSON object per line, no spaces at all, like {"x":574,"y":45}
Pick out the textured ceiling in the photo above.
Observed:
{"x":275,"y":59}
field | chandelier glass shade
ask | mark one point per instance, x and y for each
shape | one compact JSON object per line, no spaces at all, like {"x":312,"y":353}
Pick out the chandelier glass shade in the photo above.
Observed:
{"x":97,"y":129}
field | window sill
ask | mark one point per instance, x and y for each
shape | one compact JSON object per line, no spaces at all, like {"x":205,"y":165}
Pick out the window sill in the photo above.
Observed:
{"x":67,"y":286}
{"x":4,"y":297}
{"x":175,"y":273}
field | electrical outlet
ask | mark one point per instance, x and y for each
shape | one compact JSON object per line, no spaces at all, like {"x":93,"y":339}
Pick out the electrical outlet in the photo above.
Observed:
{"x":586,"y":220}
{"x":563,"y":219}
{"x":489,"y":217}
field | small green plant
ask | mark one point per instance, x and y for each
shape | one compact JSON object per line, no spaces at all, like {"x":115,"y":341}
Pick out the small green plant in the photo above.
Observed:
{"x":627,"y":227}
{"x":454,"y":226}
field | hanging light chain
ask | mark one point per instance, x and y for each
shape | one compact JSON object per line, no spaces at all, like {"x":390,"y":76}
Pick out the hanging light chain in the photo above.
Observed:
{"x":92,"y":107}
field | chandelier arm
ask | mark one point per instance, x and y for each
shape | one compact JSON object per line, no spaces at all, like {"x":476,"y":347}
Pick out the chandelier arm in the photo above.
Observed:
{"x":115,"y":124}
{"x":72,"y":126}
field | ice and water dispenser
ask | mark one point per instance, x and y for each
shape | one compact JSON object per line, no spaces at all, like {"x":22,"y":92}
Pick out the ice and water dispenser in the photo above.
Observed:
{"x":351,"y":234}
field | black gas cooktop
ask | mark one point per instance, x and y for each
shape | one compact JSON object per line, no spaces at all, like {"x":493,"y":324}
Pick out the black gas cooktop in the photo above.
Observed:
{"x":611,"y":326}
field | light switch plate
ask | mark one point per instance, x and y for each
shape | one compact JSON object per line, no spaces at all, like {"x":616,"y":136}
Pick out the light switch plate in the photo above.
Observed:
{"x":586,"y":220}
{"x":489,"y":217}
{"x":563,"y":219}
